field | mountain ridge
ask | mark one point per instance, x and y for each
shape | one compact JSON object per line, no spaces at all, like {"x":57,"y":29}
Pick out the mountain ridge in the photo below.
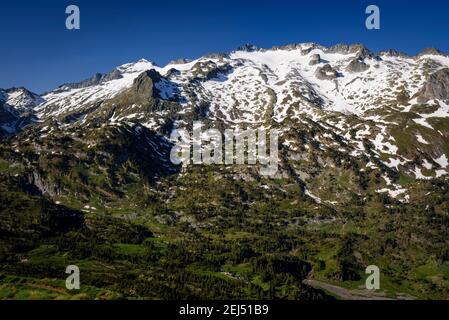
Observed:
{"x":391,"y":51}
{"x":346,"y":84}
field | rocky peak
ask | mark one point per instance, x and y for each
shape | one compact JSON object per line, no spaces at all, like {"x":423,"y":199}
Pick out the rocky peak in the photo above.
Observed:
{"x":248,"y":48}
{"x":288,"y":47}
{"x":393,"y":53}
{"x":360,"y":49}
{"x":96,"y":79}
{"x":218,"y":56}
{"x":431,"y":51}
{"x":17,"y":107}
{"x":306,"y":48}
{"x":180,"y":61}
{"x":143,"y":85}
{"x":21,"y":99}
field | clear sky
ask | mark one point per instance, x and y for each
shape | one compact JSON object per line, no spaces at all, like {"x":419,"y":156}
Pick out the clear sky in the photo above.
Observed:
{"x":38,"y":52}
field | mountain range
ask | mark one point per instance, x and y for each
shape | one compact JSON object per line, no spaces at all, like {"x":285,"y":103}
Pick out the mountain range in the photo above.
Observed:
{"x":364,"y":149}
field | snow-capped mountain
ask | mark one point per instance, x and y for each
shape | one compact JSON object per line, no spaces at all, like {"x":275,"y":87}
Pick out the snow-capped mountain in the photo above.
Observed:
{"x":347,"y":79}
{"x":86,"y":175}
{"x":22,"y":99}
{"x":389,"y":109}
{"x":17,"y":108}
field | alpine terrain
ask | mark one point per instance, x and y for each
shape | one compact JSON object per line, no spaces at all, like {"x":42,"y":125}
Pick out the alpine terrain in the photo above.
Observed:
{"x":363,"y":179}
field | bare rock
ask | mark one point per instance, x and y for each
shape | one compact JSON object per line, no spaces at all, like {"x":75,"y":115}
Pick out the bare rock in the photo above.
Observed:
{"x":436,"y":87}
{"x":393,"y":53}
{"x":357,"y":65}
{"x":432,"y":51}
{"x":143,"y":85}
{"x":316,"y":59}
{"x":326,"y":73}
{"x":360,"y":49}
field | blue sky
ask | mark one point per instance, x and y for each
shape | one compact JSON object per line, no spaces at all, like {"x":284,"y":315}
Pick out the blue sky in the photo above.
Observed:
{"x":39,"y":53}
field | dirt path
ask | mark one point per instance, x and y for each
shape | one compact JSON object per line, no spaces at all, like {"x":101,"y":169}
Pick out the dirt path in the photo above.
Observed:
{"x":345,"y":294}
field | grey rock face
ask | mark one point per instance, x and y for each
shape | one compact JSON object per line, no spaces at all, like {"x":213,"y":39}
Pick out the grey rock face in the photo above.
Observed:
{"x":432,"y":51}
{"x":180,"y":61}
{"x":219,"y":56}
{"x":393,"y":53}
{"x":315,"y":59}
{"x":143,"y":85}
{"x":305,"y":51}
{"x":362,"y":51}
{"x":172,"y":73}
{"x":96,"y":79}
{"x":339,"y":48}
{"x":326,"y":73}
{"x":207,"y":70}
{"x":113,"y":75}
{"x":43,"y":186}
{"x":346,"y":49}
{"x":436,"y":87}
{"x":247,"y":47}
{"x":292,"y":46}
{"x":357,"y":65}
{"x":312,"y":46}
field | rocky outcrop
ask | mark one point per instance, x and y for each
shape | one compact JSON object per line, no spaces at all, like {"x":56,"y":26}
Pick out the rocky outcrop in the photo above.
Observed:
{"x":218,"y":56}
{"x":360,"y":49}
{"x":172,"y":72}
{"x":44,"y":187}
{"x":180,"y":61}
{"x":357,"y":65}
{"x":96,"y":79}
{"x":326,"y":73}
{"x":431,"y":51}
{"x":142,"y":92}
{"x":292,"y":46}
{"x":436,"y":87}
{"x":143,"y":85}
{"x":248,"y":48}
{"x":315,"y":59}
{"x":208,"y":70}
{"x":393,"y":53}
